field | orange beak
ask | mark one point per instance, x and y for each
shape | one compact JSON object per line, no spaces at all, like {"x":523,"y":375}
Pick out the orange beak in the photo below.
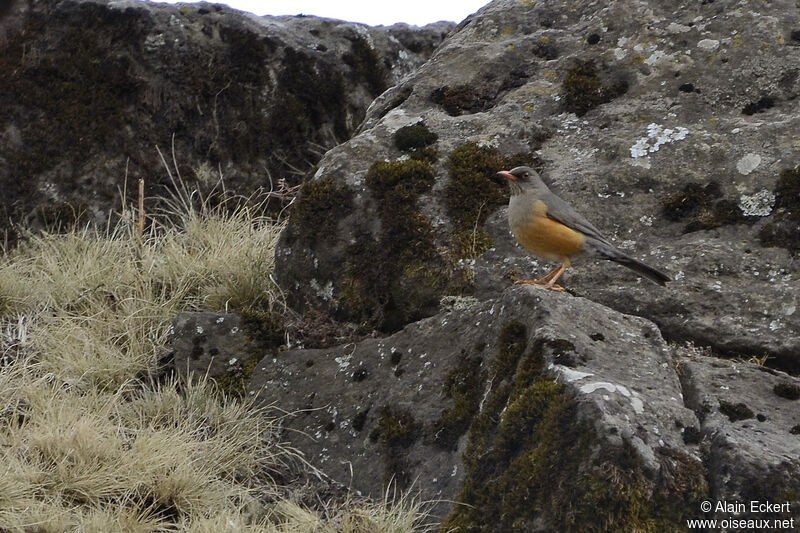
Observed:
{"x":507,"y":175}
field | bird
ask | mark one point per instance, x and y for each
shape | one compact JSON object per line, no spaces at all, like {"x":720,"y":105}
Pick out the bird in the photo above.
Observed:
{"x":553,"y":230}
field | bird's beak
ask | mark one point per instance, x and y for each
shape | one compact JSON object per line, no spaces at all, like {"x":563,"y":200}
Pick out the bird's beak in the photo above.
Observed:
{"x":507,"y":175}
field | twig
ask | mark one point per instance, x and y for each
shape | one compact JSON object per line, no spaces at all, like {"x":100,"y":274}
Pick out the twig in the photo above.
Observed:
{"x":140,"y":234}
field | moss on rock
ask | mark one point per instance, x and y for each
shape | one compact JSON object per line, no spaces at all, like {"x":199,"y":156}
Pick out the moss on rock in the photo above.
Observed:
{"x":464,"y":99}
{"x":472,"y":194}
{"x":735,"y":411}
{"x":416,"y":141}
{"x":702,"y":206}
{"x":787,"y":390}
{"x":397,"y":430}
{"x":463,"y":385}
{"x":533,"y":459}
{"x":583,"y":89}
{"x":399,"y":276}
{"x":366,"y":65}
{"x":321,"y":204}
{"x":266,"y":333}
{"x":783,"y":229}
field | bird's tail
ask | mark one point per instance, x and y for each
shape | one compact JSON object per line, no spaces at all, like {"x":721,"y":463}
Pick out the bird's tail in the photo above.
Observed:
{"x":646,"y":271}
{"x":643,"y":270}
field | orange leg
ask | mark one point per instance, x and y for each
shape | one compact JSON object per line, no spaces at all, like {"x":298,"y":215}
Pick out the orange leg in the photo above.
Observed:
{"x":548,"y":281}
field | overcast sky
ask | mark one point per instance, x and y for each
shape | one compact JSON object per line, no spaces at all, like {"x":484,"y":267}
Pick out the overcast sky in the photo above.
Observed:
{"x":372,"y":12}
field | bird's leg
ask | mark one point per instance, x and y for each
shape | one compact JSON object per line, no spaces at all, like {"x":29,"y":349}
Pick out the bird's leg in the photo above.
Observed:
{"x":548,"y":281}
{"x":541,"y":281}
{"x":551,"y":285}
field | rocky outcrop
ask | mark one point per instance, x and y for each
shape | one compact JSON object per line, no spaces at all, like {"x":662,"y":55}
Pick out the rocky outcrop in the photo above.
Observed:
{"x":542,"y":412}
{"x":90,"y":88}
{"x":666,"y":125}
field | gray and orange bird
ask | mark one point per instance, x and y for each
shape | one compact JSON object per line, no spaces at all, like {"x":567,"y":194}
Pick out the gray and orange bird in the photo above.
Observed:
{"x":551,"y":229}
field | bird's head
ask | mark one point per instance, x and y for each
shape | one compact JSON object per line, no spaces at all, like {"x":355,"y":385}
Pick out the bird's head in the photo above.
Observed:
{"x":522,"y":179}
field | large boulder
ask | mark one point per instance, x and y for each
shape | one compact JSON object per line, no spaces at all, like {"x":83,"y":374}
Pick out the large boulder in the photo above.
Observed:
{"x":539,"y":411}
{"x":90,"y":88}
{"x":665,"y":125}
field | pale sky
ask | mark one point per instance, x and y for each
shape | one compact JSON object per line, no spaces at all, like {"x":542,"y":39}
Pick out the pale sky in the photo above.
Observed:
{"x":372,"y":12}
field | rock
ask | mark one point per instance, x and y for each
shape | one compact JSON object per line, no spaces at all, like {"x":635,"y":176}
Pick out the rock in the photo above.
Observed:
{"x":560,"y":405}
{"x":222,"y":347}
{"x":751,"y":442}
{"x":670,"y":175}
{"x":90,"y":88}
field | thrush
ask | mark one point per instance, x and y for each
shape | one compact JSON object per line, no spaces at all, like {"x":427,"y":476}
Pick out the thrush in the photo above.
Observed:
{"x":551,"y":229}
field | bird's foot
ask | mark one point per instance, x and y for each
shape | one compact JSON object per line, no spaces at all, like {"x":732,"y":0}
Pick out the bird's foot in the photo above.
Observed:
{"x":544,"y":283}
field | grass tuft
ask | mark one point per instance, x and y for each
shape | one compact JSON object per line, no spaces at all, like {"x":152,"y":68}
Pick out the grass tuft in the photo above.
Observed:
{"x":92,"y":436}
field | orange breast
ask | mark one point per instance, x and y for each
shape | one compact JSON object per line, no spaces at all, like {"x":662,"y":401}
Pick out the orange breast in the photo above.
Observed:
{"x":548,"y":238}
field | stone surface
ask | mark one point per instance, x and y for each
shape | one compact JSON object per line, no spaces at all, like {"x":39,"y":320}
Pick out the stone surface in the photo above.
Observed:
{"x":90,"y":88}
{"x":221,"y":347}
{"x":679,"y":151}
{"x":747,"y":412}
{"x":415,"y":407}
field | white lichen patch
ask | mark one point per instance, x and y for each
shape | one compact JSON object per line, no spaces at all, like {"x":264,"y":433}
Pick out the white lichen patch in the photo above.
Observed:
{"x":646,"y":220}
{"x":657,"y":136}
{"x":748,"y":163}
{"x":326,"y":292}
{"x":343,"y":362}
{"x":457,"y":303}
{"x":675,"y":28}
{"x":655,"y":57}
{"x":569,"y":375}
{"x":598,"y":385}
{"x":759,"y":204}
{"x":153,"y":42}
{"x":636,"y":403}
{"x":709,"y":45}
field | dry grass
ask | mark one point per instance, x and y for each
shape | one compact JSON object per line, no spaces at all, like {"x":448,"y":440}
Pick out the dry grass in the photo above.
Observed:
{"x":88,"y":442}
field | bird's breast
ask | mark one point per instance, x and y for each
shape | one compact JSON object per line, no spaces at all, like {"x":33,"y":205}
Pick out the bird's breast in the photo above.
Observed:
{"x":540,"y":234}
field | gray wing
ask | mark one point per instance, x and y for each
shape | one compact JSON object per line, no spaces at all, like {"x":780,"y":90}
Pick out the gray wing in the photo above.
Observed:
{"x":561,"y":211}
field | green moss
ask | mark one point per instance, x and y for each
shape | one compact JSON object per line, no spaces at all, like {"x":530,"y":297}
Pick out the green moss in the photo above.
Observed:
{"x":463,"y":385}
{"x":414,"y":137}
{"x":73,"y":100}
{"x":396,"y":432}
{"x":787,"y":390}
{"x":783,"y":229}
{"x":702,"y":207}
{"x":311,"y":94}
{"x":511,"y":345}
{"x":398,"y":275}
{"x":399,"y":180}
{"x":321,"y":204}
{"x":234,"y":382}
{"x":464,"y":99}
{"x":532,"y":460}
{"x":583,"y":89}
{"x":265,"y":332}
{"x":416,"y":141}
{"x":360,"y":419}
{"x":471,"y":194}
{"x":265,"y":328}
{"x":735,"y":411}
{"x":366,"y":65}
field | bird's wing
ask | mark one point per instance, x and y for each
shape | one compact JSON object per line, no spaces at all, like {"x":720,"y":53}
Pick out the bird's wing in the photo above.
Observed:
{"x":561,"y":211}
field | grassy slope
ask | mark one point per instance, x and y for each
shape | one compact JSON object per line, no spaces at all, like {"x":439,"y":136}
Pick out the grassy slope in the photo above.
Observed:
{"x":88,"y":442}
